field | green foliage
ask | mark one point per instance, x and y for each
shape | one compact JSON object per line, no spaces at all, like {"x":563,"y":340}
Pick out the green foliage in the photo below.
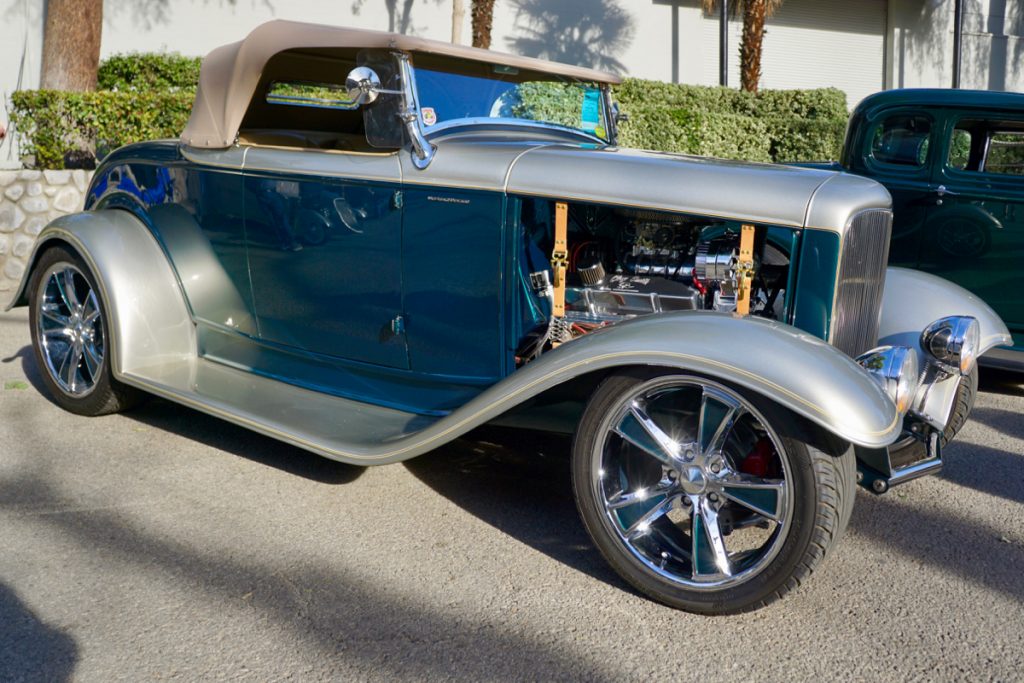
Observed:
{"x":146,"y":71}
{"x":773,"y":125}
{"x":560,"y":103}
{"x":55,"y":125}
{"x":795,"y":139}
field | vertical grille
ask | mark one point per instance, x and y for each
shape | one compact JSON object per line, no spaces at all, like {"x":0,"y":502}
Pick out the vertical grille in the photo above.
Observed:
{"x":862,"y":262}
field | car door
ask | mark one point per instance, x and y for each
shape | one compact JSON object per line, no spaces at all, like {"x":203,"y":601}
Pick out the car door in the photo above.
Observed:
{"x":453,"y":273}
{"x":896,"y":150}
{"x":976,"y":223}
{"x":324,"y":231}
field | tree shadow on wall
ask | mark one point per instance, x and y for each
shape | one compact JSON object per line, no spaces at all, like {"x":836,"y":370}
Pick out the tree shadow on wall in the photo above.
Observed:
{"x":399,"y":13}
{"x":584,"y":32}
{"x":146,"y":14}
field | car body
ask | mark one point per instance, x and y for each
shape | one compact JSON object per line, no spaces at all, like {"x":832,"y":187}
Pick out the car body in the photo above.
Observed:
{"x":953,"y":162}
{"x":368,"y":244}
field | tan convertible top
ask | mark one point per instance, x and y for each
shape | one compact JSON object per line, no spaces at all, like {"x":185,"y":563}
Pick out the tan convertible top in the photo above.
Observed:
{"x":230,"y":73}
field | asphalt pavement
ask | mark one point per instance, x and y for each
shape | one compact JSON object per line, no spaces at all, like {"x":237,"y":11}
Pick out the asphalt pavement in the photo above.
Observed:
{"x":165,"y":544}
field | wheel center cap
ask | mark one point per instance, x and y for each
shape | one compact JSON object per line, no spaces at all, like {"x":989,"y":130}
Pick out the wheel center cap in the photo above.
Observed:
{"x":693,"y":480}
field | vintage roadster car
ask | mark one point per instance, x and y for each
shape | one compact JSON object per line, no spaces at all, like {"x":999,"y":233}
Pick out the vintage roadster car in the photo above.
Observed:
{"x":368,"y":244}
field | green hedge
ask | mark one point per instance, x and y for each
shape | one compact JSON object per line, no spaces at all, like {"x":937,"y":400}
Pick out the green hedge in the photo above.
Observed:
{"x":774,"y":125}
{"x":58,"y":127}
{"x":146,"y":96}
{"x":145,"y":71}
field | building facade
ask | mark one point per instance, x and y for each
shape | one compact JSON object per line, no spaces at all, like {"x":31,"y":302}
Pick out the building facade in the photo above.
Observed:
{"x":858,"y":46}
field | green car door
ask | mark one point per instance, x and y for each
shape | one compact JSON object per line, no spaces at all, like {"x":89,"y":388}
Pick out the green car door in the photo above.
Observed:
{"x":976,"y":218}
{"x":896,"y":149}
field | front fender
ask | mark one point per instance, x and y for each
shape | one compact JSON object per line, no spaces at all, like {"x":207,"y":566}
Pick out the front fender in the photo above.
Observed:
{"x":794,"y":369}
{"x":912,"y":300}
{"x":147,"y":318}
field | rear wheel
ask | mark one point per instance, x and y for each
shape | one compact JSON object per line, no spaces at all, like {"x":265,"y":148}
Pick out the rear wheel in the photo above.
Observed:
{"x":702,"y":497}
{"x":70,"y":337}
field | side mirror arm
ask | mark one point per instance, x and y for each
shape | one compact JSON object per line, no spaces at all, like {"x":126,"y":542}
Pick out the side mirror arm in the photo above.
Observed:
{"x":422,"y":149}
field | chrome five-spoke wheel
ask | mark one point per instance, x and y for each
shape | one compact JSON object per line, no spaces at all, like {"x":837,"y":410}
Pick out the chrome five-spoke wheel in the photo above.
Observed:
{"x":70,"y":336}
{"x":70,"y":329}
{"x":690,"y":491}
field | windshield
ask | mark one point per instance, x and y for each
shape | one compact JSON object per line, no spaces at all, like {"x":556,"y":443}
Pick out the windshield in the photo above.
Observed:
{"x":445,"y":97}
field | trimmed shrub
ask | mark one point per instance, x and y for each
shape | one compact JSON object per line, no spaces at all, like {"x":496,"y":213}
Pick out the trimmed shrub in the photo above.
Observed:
{"x":774,"y":125}
{"x":57,"y":126}
{"x":145,"y":71}
{"x":726,"y":136}
{"x":806,"y":139}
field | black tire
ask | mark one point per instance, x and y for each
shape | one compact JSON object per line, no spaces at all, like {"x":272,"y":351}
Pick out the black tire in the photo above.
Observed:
{"x":823,"y":491}
{"x":913,"y":450}
{"x":105,"y":394}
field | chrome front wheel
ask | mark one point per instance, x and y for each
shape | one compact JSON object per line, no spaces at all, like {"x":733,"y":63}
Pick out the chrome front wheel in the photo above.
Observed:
{"x":694,"y":495}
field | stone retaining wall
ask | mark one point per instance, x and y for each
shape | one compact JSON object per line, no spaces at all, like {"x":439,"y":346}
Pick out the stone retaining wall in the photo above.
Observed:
{"x":28,"y":201}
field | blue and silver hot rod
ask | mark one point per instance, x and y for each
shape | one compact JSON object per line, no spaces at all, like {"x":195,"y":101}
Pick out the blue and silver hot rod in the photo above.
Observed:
{"x":368,"y":244}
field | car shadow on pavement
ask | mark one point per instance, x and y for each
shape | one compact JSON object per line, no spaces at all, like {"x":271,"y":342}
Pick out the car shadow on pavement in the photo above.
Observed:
{"x":1008,"y":422}
{"x":29,"y":369}
{"x":29,"y":649}
{"x":997,"y":381}
{"x":975,"y":552}
{"x":245,"y":443}
{"x":519,"y":482}
{"x":365,"y":622}
{"x":987,"y":470}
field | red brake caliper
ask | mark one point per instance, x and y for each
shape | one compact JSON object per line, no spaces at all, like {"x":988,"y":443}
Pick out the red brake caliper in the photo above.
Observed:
{"x":759,"y":460}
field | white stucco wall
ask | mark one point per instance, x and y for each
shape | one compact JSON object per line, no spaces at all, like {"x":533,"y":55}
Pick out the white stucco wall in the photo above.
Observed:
{"x":920,"y":44}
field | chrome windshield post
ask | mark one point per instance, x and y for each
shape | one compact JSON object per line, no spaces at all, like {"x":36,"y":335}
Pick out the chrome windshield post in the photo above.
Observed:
{"x":423,"y":150}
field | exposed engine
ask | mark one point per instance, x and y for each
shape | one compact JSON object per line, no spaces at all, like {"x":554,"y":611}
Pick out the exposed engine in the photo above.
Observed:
{"x":624,"y":263}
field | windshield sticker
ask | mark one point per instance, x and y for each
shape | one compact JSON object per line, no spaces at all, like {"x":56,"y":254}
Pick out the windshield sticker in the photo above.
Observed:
{"x":590,"y":117}
{"x":429,"y":116}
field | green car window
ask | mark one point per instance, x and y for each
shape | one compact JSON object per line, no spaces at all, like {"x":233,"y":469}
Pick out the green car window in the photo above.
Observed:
{"x":960,"y":149}
{"x":901,"y":140}
{"x":1006,"y":153}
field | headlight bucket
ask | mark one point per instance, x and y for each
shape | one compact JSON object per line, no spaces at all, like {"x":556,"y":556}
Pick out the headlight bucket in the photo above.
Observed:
{"x":953,"y":343}
{"x":895,"y":370}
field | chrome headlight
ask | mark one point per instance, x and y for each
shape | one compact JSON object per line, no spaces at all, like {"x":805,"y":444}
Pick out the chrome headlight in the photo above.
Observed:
{"x":895,"y":369}
{"x":953,"y":343}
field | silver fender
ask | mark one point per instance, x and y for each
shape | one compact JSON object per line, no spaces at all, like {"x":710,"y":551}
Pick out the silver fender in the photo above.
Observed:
{"x":149,"y":323}
{"x":912,"y":300}
{"x":794,"y":369}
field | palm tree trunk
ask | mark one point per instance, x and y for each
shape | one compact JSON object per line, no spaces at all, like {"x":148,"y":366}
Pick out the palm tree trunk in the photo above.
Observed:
{"x":483,"y":19}
{"x":71,"y":44}
{"x":754,"y":14}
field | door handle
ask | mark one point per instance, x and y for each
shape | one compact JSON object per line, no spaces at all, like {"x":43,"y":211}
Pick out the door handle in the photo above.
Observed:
{"x":941,"y":191}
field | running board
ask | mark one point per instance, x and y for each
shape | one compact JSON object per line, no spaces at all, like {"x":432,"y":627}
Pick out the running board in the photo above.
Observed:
{"x":337,"y":428}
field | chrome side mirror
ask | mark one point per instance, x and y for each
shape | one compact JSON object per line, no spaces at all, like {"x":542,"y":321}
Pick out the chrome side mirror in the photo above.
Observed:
{"x":363,"y":85}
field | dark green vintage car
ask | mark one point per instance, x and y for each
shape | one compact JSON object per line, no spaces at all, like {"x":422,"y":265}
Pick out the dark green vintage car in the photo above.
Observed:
{"x":953,"y":161}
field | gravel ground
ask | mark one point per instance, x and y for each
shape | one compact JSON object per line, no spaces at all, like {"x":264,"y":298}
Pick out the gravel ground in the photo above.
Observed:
{"x":165,"y":544}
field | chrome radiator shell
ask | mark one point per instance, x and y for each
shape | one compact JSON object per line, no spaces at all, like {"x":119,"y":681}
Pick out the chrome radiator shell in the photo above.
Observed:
{"x":863,"y":257}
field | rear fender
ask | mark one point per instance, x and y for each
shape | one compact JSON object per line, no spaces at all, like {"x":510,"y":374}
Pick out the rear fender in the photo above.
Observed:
{"x":148,"y":321}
